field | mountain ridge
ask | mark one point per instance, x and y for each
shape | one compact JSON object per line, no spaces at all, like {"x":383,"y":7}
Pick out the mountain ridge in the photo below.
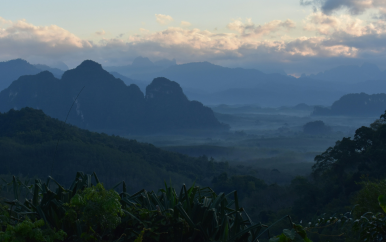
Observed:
{"x":106,"y":103}
{"x":351,"y":73}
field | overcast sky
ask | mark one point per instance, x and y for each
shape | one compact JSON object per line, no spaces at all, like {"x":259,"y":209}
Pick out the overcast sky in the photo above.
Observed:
{"x":298,"y":36}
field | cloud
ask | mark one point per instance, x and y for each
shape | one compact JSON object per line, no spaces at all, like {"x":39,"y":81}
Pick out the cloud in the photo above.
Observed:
{"x":185,"y":24}
{"x":338,"y":39}
{"x":23,"y":39}
{"x":4,"y":21}
{"x":331,"y":39}
{"x":163,"y":19}
{"x":249,"y":29}
{"x":306,"y":2}
{"x":100,"y":33}
{"x":343,"y":24}
{"x":354,"y":7}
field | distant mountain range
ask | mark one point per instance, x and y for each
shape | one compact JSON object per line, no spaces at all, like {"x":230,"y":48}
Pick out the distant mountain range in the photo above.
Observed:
{"x":351,"y":74}
{"x":13,"y":69}
{"x":107,"y":104}
{"x":212,"y":84}
{"x":140,"y":66}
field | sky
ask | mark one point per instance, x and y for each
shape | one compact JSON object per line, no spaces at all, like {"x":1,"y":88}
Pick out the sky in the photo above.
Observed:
{"x":297,"y":36}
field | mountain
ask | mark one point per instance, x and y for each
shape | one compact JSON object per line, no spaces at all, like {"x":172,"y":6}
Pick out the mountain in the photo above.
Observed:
{"x":13,"y":69}
{"x":142,"y":62}
{"x":165,"y":63}
{"x":214,"y":84}
{"x":141,"y":65}
{"x":209,"y":77}
{"x":128,"y":81}
{"x":358,"y":104}
{"x":351,"y":74}
{"x":33,"y":144}
{"x":55,"y":71}
{"x":107,"y":104}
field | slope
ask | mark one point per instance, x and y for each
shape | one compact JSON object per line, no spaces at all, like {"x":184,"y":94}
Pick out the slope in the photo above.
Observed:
{"x":29,"y":146}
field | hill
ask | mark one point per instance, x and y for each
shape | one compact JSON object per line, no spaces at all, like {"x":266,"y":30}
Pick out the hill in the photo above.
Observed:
{"x":29,"y":146}
{"x":107,"y":104}
{"x":358,"y":104}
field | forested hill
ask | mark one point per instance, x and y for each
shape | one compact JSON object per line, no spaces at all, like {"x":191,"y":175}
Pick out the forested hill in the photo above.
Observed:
{"x":107,"y":104}
{"x":358,"y":104}
{"x":28,"y":140}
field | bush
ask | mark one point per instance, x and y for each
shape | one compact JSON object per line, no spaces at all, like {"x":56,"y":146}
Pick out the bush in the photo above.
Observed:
{"x":28,"y":231}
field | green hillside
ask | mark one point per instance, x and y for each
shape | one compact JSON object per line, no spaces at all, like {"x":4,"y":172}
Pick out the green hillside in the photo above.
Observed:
{"x":33,"y":144}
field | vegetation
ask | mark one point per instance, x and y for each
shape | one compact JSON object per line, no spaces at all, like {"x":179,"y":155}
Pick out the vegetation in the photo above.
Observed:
{"x":34,"y":144}
{"x":86,"y":211}
{"x":347,"y":174}
{"x":316,"y":127}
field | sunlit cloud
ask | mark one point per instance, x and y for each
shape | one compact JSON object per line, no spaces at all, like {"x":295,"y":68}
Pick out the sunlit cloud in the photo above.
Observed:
{"x":185,"y":24}
{"x":163,"y":19}
{"x":22,"y":39}
{"x":249,"y":29}
{"x":246,"y":43}
{"x":4,"y":21}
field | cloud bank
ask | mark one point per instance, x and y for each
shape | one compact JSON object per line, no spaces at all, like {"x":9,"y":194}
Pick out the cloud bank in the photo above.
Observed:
{"x":328,"y":40}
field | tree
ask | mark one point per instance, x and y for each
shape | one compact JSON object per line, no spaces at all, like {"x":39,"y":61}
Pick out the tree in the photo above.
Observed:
{"x":316,"y":127}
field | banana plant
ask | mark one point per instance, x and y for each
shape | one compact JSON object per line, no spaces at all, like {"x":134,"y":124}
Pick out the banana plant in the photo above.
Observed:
{"x":192,"y":214}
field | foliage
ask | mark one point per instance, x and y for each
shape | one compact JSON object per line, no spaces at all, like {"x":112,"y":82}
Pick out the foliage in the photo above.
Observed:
{"x":88,"y":212}
{"x":96,"y":208}
{"x":28,"y":231}
{"x":366,"y":199}
{"x":365,"y":222}
{"x":337,"y":172}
